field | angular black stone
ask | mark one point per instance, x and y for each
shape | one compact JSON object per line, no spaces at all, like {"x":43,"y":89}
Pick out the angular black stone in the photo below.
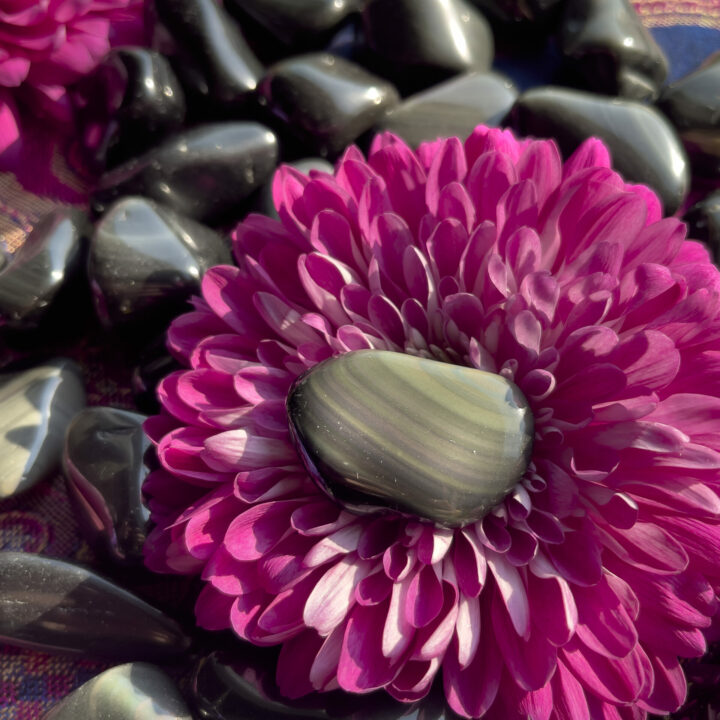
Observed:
{"x":265,"y":203}
{"x":381,"y":430}
{"x":703,"y":221}
{"x":643,"y":144}
{"x":104,"y":465}
{"x":55,"y":606}
{"x":134,"y":691}
{"x":452,"y":108}
{"x":608,"y":46}
{"x":418,"y":43}
{"x":297,"y":23}
{"x":203,"y":173}
{"x":44,"y":269}
{"x":35,"y":408}
{"x":130,"y":102}
{"x":326,"y":102}
{"x":146,"y":260}
{"x":215,"y":63}
{"x":693,"y":106}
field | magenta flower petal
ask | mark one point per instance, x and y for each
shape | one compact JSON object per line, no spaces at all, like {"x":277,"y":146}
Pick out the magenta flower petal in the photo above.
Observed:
{"x":576,"y":596}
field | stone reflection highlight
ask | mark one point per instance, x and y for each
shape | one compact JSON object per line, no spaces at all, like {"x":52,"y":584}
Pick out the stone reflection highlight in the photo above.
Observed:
{"x":381,"y":430}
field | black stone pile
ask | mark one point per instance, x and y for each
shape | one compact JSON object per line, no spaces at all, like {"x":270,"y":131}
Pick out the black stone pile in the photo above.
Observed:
{"x":185,"y":138}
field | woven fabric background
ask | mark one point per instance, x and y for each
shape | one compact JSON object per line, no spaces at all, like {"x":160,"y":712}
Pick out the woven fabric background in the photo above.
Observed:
{"x":41,"y":520}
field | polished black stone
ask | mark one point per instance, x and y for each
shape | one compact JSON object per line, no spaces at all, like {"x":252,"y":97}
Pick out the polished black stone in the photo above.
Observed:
{"x":44,"y":269}
{"x":203,"y":173}
{"x":104,"y":465}
{"x":265,"y":203}
{"x":703,"y":221}
{"x":134,"y":691}
{"x":240,"y":685}
{"x":643,"y":144}
{"x":35,"y":408}
{"x":326,"y":102}
{"x":215,"y":61}
{"x":453,"y":108}
{"x":693,"y":106}
{"x":55,"y":606}
{"x":145,"y":261}
{"x":604,"y":40}
{"x":418,"y":43}
{"x":128,"y":104}
{"x":381,"y":430}
{"x":297,"y":22}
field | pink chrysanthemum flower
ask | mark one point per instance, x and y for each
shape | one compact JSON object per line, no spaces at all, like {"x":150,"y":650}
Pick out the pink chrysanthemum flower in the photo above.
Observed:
{"x":45,"y":46}
{"x":576,"y":595}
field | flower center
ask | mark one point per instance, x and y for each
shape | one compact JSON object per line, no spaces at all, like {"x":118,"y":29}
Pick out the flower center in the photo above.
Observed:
{"x":380,"y":430}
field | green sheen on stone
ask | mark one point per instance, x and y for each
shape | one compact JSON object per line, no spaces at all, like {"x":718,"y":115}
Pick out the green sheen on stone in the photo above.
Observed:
{"x":380,"y":430}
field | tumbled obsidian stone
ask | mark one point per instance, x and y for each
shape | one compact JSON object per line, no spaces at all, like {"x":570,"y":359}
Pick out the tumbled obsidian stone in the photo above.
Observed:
{"x":296,"y":23}
{"x":214,"y":61}
{"x":643,"y":145}
{"x":383,"y":430}
{"x":35,"y":408}
{"x":145,"y":261}
{"x":693,"y":106}
{"x":128,"y":104}
{"x":452,"y":109}
{"x":418,"y":43}
{"x":43,"y":271}
{"x":134,"y":691}
{"x":55,"y":606}
{"x":608,"y":46}
{"x":104,"y":464}
{"x":203,"y":173}
{"x":326,"y":102}
{"x":703,"y":221}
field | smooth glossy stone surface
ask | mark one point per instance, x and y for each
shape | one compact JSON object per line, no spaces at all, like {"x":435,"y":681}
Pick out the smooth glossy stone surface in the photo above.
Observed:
{"x":603,"y":40}
{"x":104,"y":464}
{"x":693,"y":106}
{"x":54,"y":606}
{"x":703,"y":221}
{"x":265,"y":203}
{"x":128,"y":104}
{"x":644,"y":146}
{"x":202,"y":173}
{"x":380,"y":430}
{"x":243,"y":688}
{"x":146,"y":260}
{"x":35,"y":408}
{"x":43,"y":269}
{"x":294,"y":22}
{"x":326,"y":102}
{"x":211,"y":43}
{"x":134,"y":691}
{"x":452,"y":109}
{"x":421,"y":42}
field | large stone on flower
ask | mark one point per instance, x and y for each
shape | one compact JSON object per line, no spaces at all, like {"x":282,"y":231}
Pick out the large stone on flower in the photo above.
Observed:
{"x":43,"y":271}
{"x":607,"y":44}
{"x":203,"y":173}
{"x":325,"y":101}
{"x":452,"y":109}
{"x":35,"y":408}
{"x":104,"y":464}
{"x":421,"y":42}
{"x":379,"y":430}
{"x":128,"y":104}
{"x":134,"y":691}
{"x":644,"y":146}
{"x":215,"y":61}
{"x":145,"y":261}
{"x":55,"y":606}
{"x":693,"y":106}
